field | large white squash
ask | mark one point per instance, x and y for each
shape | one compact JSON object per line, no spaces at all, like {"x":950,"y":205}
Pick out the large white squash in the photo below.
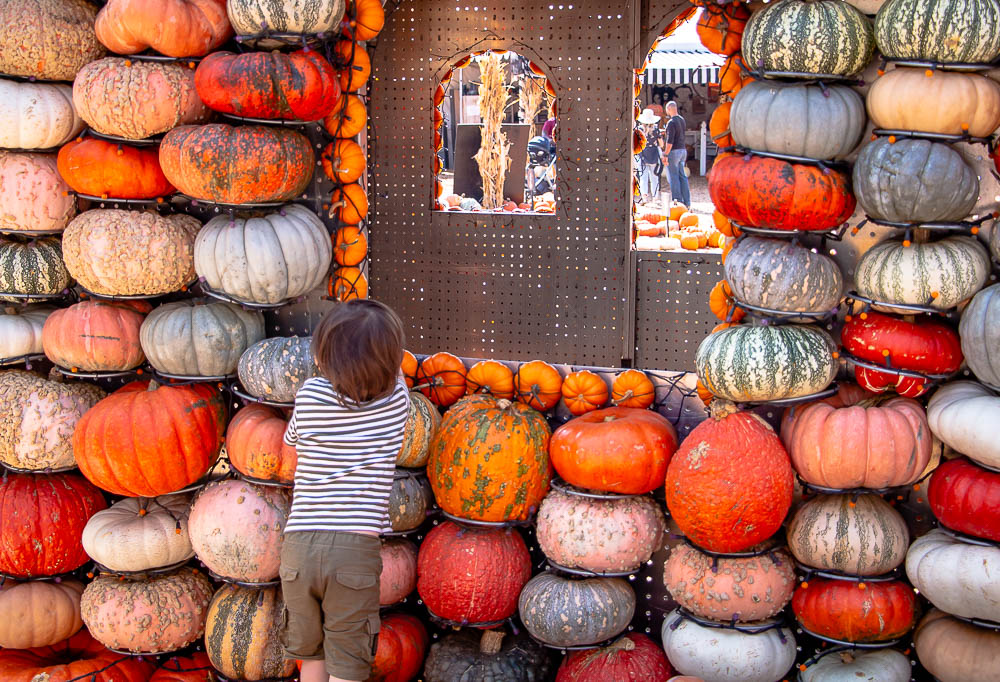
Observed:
{"x":980,"y":332}
{"x":882,"y":665}
{"x":964,"y":415}
{"x":955,"y":576}
{"x":953,"y":651}
{"x":140,"y":534}
{"x":21,"y":330}
{"x":36,"y":115}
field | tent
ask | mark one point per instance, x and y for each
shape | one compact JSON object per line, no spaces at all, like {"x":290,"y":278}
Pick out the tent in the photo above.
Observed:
{"x":678,"y":66}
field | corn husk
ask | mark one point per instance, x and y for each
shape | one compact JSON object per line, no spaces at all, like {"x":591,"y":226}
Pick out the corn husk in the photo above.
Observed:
{"x":493,"y":156}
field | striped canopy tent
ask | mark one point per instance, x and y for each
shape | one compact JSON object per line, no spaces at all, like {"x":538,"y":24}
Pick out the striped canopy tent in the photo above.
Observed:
{"x":678,"y":66}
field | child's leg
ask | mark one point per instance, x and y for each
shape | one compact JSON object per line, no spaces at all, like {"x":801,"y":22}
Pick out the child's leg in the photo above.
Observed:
{"x":314,"y":671}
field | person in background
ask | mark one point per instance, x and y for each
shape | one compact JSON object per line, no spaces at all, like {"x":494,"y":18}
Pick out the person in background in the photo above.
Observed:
{"x":649,"y":180}
{"x":676,"y":150}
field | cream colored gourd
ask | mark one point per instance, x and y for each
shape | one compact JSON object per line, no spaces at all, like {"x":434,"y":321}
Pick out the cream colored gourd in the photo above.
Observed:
{"x":291,"y":16}
{"x":961,"y":414}
{"x":958,"y":578}
{"x":38,"y":613}
{"x":35,"y":197}
{"x":883,"y":665}
{"x":21,"y":330}
{"x":953,"y":651}
{"x":36,"y":115}
{"x":980,"y":334}
{"x":140,"y":534}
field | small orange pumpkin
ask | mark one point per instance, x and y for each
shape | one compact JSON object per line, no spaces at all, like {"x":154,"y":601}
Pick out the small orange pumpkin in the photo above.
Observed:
{"x":349,"y":204}
{"x":348,"y":118}
{"x":723,"y":225}
{"x":632,"y":388}
{"x":348,"y":283}
{"x":722,"y":305}
{"x":721,"y":28}
{"x":732,"y":77}
{"x":583,"y":392}
{"x":677,"y":209}
{"x":706,"y":395}
{"x":441,"y":377}
{"x":689,"y":241}
{"x":492,"y":377}
{"x":718,"y":125}
{"x":350,"y":245}
{"x":538,"y":384}
{"x":343,"y":161}
{"x":727,"y":246}
{"x":364,"y":18}
{"x":409,"y":368}
{"x":716,"y":239}
{"x":355,"y":65}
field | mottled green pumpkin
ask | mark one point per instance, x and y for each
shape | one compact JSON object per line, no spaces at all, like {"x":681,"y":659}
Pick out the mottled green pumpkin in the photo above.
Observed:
{"x":939,"y":30}
{"x":563,"y":612}
{"x":275,"y":369}
{"x":409,"y":501}
{"x":34,"y":267}
{"x":421,"y":424}
{"x":476,"y":656}
{"x":242,"y":632}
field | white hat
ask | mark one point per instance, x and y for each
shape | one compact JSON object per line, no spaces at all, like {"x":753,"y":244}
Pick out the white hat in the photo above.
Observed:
{"x":648,"y":117}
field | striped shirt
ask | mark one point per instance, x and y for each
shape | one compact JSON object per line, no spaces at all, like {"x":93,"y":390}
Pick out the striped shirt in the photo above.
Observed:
{"x":346,"y":458}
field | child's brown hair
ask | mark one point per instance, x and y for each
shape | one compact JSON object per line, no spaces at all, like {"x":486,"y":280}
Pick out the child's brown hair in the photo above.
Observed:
{"x":358,"y":348}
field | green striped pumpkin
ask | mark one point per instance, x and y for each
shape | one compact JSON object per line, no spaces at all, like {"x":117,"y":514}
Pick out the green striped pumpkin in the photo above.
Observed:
{"x":940,"y":274}
{"x":242,"y":633}
{"x":422,"y":423}
{"x":750,"y":363}
{"x":820,"y":36}
{"x":287,"y":16}
{"x":939,"y":30}
{"x":34,"y":267}
{"x":781,"y":275}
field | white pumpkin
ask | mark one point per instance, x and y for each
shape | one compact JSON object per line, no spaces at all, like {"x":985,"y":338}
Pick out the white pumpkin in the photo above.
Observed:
{"x":21,"y":330}
{"x":980,"y":333}
{"x":883,"y":665}
{"x":953,"y":651}
{"x":955,"y":576}
{"x":995,"y":241}
{"x":963,"y":415}
{"x":35,"y":197}
{"x":36,"y":115}
{"x":727,"y":655}
{"x":265,"y":259}
{"x":140,"y":534}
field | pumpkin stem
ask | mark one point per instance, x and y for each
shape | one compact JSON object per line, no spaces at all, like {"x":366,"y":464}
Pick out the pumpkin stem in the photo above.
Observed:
{"x":720,"y":409}
{"x":504,"y":404}
{"x":56,"y":376}
{"x":921,"y":235}
{"x":876,"y":400}
{"x":10,"y":310}
{"x":628,"y":395}
{"x":623,"y":644}
{"x":153,"y":385}
{"x":847,"y":657}
{"x":609,"y":418}
{"x":491,"y":641}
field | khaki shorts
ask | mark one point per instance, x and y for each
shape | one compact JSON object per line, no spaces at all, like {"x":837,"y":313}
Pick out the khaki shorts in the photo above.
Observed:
{"x":330,"y":583}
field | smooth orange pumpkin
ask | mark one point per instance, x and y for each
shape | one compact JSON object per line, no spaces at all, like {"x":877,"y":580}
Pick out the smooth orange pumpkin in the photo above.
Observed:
{"x":409,"y":368}
{"x":690,"y":242}
{"x":350,"y":245}
{"x":677,"y":209}
{"x":349,"y":204}
{"x":688,"y":220}
{"x":583,"y":392}
{"x":104,"y":169}
{"x":732,"y":77}
{"x":706,"y":395}
{"x":343,"y":161}
{"x":354,"y":64}
{"x":96,"y":335}
{"x":632,"y":388}
{"x":441,"y":377}
{"x":723,"y":225}
{"x":538,"y":384}
{"x":718,"y":125}
{"x":491,"y":377}
{"x":722,"y":305}
{"x":176,"y":28}
{"x":347,"y":284}
{"x":256,"y":447}
{"x":348,"y":118}
{"x":618,"y":449}
{"x":364,"y":18}
{"x":856,"y":612}
{"x":720,"y":28}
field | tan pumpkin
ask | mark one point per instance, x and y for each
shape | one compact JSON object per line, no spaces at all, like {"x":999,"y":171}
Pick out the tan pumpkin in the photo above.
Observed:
{"x":135,"y":99}
{"x":421,"y":425}
{"x":177,"y":28}
{"x":140,"y":533}
{"x":36,"y":115}
{"x":953,"y":651}
{"x":21,"y":330}
{"x":40,"y":613}
{"x":35,"y":197}
{"x":399,"y":571}
{"x":115,"y":252}
{"x":38,"y":418}
{"x":47,"y":39}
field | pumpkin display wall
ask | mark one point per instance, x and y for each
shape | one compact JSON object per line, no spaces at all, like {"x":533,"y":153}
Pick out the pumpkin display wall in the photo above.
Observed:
{"x":140,"y":534}
{"x":956,"y":413}
{"x":115,"y":252}
{"x":957,"y":31}
{"x":955,"y":576}
{"x":292,"y":16}
{"x":490,"y":655}
{"x":176,"y":28}
{"x":136,"y":99}
{"x":242,"y":633}
{"x":563,"y":612}
{"x":34,"y":267}
{"x":980,"y":334}
{"x":95,"y":336}
{"x":38,"y":417}
{"x":237,"y":165}
{"x":80,"y":656}
{"x":276,"y":368}
{"x":255,"y":444}
{"x":47,"y":39}
{"x":35,"y":197}
{"x":21,"y":330}
{"x":267,"y":258}
{"x":954,"y":651}
{"x":100,"y":168}
{"x":36,"y":115}
{"x":38,"y":613}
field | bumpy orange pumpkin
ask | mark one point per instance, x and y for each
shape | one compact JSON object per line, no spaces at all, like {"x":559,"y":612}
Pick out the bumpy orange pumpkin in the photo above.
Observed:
{"x":441,"y":377}
{"x":347,"y":284}
{"x":350,"y":245}
{"x":343,"y":161}
{"x":255,"y":444}
{"x":538,"y":384}
{"x":489,"y":460}
{"x":176,"y":28}
{"x":348,"y":118}
{"x":584,"y":392}
{"x":104,"y":169}
{"x":492,"y":377}
{"x":632,"y":388}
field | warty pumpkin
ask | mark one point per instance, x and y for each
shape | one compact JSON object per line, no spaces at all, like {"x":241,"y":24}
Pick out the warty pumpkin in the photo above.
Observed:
{"x":343,"y":161}
{"x":35,"y":197}
{"x":199,"y":337}
{"x":401,"y":648}
{"x":966,"y":498}
{"x":399,"y":571}
{"x":301,"y":85}
{"x":275,"y":369}
{"x":839,"y":609}
{"x":812,"y":121}
{"x":38,"y":417}
{"x":36,"y":115}
{"x":491,"y":377}
{"x":583,"y":391}
{"x":409,"y":501}
{"x":441,"y":377}
{"x":47,"y":39}
{"x":720,"y":27}
{"x":156,"y":614}
{"x":490,"y":655}
{"x":884,"y":665}
{"x":21,"y":330}
{"x":237,"y":165}
{"x":951,"y":31}
{"x":79,"y":657}
{"x":242,"y":633}
{"x":935,"y":101}
{"x":176,"y":28}
{"x":148,"y":440}
{"x":136,"y":99}
{"x":618,"y":449}
{"x":955,"y":576}
{"x":40,"y":535}
{"x":114,"y":252}
{"x":857,"y":535}
{"x":38,"y":613}
{"x":140,"y":533}
{"x":779,"y":195}
{"x":563,"y":612}
{"x":95,"y":336}
{"x":538,"y":384}
{"x":250,"y":17}
{"x":105,"y":169}
{"x":422,"y":422}
{"x":489,"y":460}
{"x":255,"y":444}
{"x":979,"y":331}
{"x":348,"y":117}
{"x":350,"y":246}
{"x":957,"y":412}
{"x":193,"y":668}
{"x":954,"y":651}
{"x":632,"y":657}
{"x":729,"y":485}
{"x":34,"y":267}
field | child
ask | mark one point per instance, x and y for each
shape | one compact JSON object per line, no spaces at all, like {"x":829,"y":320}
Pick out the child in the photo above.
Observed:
{"x":347,"y":428}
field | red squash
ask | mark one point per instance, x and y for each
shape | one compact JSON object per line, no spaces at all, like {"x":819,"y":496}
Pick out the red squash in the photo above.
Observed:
{"x":472,"y":576}
{"x":966,"y":498}
{"x":618,"y":449}
{"x":856,"y":612}
{"x":402,"y":647}
{"x":193,"y":668}
{"x":301,"y":85}
{"x":729,"y":486}
{"x":633,"y":658}
{"x":41,"y":523}
{"x":107,"y":169}
{"x":921,"y":344}
{"x":79,"y":658}
{"x":778,"y":195}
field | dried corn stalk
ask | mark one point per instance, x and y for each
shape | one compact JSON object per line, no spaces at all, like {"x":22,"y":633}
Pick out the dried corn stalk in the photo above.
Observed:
{"x":530,"y":100}
{"x":493,"y":156}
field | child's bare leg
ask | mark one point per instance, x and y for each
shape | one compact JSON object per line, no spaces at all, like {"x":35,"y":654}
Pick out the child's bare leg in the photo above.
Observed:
{"x":314,"y":671}
{"x":338,"y":679}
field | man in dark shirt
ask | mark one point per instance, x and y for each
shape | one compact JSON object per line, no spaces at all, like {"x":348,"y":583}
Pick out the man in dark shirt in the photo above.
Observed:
{"x":676,"y":150}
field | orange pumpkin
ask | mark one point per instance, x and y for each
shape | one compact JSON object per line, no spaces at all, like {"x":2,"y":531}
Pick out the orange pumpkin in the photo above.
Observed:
{"x":347,"y":284}
{"x":354,"y":63}
{"x":618,"y":449}
{"x":632,"y":388}
{"x":364,"y":18}
{"x":733,"y":76}
{"x":348,"y":118}
{"x":441,"y":377}
{"x":491,"y":377}
{"x":677,"y":209}
{"x":727,"y":246}
{"x":720,"y":28}
{"x":716,"y":239}
{"x":176,"y":28}
{"x":349,"y":204}
{"x":538,"y":384}
{"x":409,"y":368}
{"x":688,"y":220}
{"x":583,"y":392}
{"x":706,"y":395}
{"x":689,"y":241}
{"x":723,"y":225}
{"x":255,"y":444}
{"x":350,"y":245}
{"x":343,"y":161}
{"x":105,"y":169}
{"x":718,"y":125}
{"x":876,"y":612}
{"x":722,"y":305}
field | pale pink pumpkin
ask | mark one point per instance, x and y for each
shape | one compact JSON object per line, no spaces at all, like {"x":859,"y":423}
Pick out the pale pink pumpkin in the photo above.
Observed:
{"x":153,"y":615}
{"x":746,"y":589}
{"x":35,"y":197}
{"x":599,"y":535}
{"x":235,"y":529}
{"x":399,"y":570}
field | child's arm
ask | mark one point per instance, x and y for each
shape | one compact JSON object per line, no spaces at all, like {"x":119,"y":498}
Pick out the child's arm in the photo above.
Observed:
{"x":291,"y":432}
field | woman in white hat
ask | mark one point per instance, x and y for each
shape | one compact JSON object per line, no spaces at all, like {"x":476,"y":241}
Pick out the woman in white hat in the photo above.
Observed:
{"x":649,"y":180}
